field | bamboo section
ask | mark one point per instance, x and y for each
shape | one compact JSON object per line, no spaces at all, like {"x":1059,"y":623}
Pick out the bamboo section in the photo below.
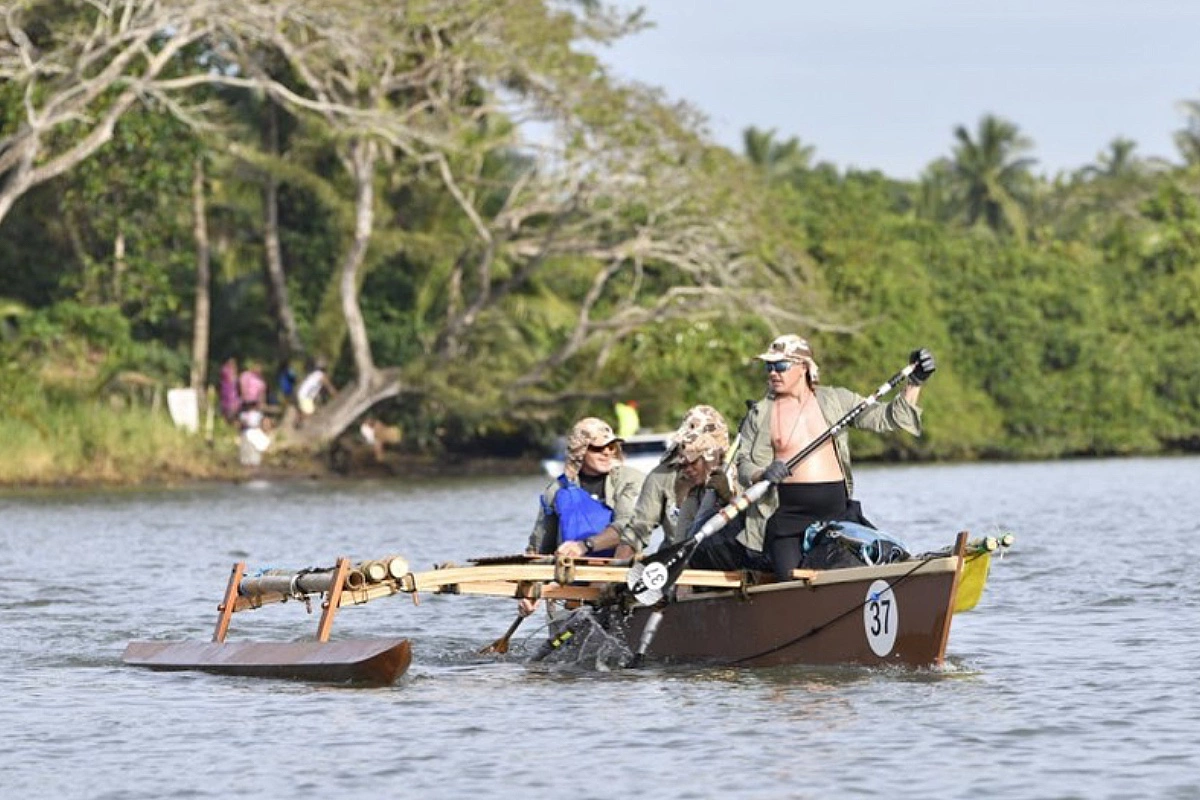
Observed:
{"x":563,"y":579}
{"x":286,"y":582}
{"x":437,"y":579}
{"x":378,"y":578}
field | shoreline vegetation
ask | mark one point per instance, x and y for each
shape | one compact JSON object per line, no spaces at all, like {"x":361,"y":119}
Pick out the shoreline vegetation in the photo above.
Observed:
{"x":100,"y":448}
{"x":476,"y":292}
{"x":105,"y":448}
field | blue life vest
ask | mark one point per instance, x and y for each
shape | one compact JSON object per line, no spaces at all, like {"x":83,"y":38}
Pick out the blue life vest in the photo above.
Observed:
{"x":579,"y":514}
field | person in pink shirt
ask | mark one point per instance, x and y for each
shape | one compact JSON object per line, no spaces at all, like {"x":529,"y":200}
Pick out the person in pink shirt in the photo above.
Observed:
{"x":252,"y":386}
{"x":231,"y":400}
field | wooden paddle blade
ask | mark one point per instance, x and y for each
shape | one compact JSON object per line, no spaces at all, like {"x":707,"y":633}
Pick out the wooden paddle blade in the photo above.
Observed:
{"x":500,"y":646}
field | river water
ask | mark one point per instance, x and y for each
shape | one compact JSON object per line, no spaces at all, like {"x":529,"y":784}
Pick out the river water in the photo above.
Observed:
{"x":1076,"y":676}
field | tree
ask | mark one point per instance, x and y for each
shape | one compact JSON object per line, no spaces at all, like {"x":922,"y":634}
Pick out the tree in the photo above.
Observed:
{"x":775,"y":160}
{"x":991,"y":174}
{"x":1188,"y":139}
{"x":622,"y":217}
{"x":540,"y":254}
{"x":72,"y":70}
{"x":201,"y":310}
{"x":1118,"y":161}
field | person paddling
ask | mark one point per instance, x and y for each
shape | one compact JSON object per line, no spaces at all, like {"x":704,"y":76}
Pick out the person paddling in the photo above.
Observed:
{"x":673,"y":491}
{"x":583,"y":510}
{"x":796,"y":411}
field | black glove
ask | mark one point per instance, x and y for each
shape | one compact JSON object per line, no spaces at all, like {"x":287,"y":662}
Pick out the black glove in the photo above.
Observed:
{"x":926,"y":366}
{"x":719,"y":483}
{"x":776,"y":472}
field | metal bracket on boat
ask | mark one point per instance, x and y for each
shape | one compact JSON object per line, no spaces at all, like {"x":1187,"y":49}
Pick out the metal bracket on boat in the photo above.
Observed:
{"x":747,"y":580}
{"x":297,"y":593}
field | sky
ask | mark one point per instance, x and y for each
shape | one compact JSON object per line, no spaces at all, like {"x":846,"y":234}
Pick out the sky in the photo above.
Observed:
{"x":881,"y":84}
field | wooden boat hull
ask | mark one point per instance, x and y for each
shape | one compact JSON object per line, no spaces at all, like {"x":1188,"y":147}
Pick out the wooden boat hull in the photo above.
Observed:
{"x":891,"y":614}
{"x":376,"y":661}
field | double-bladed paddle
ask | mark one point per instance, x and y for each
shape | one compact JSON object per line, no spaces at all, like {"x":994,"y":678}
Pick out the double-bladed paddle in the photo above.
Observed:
{"x":649,"y":580}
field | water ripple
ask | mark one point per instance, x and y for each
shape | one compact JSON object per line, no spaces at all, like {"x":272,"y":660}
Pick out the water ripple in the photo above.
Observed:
{"x":1074,"y":677}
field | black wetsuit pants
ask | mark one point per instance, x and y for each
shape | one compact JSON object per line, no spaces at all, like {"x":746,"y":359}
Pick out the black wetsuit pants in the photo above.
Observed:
{"x":800,"y":505}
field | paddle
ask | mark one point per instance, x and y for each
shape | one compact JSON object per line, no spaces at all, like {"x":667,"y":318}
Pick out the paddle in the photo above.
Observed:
{"x":500,"y":646}
{"x":649,"y":580}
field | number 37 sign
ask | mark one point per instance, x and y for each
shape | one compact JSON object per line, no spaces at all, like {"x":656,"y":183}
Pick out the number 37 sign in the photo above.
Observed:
{"x":881,"y":618}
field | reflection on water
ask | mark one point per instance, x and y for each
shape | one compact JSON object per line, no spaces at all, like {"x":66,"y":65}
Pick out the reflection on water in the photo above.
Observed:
{"x":1074,"y":677}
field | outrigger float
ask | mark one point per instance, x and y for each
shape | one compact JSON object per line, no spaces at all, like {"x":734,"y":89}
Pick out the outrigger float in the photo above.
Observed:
{"x":898,"y":613}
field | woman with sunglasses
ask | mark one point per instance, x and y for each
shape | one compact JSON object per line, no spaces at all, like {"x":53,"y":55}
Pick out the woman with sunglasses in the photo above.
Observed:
{"x":795,"y":411}
{"x":584,"y":510}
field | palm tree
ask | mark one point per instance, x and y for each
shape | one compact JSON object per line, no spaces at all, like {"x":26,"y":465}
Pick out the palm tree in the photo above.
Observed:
{"x":935,"y":198}
{"x":1118,"y":161}
{"x":1188,"y":139}
{"x":774,"y":159}
{"x":992,"y":176}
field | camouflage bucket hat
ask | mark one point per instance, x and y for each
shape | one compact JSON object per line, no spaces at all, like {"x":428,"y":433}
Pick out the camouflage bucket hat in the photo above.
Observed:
{"x":703,"y":434}
{"x":587,"y":432}
{"x":796,"y":349}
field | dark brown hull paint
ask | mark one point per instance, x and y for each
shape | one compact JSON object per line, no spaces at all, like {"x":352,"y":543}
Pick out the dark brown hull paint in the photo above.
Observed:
{"x":375,"y":661}
{"x":831,"y":619}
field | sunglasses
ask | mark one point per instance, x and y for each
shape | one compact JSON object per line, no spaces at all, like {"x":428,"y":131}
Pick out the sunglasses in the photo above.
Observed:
{"x":611,"y":447}
{"x":779,"y":366}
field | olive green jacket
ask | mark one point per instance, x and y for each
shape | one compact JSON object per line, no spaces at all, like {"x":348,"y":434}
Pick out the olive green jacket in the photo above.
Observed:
{"x":656,"y":505}
{"x":621,"y":487}
{"x":757,"y":452}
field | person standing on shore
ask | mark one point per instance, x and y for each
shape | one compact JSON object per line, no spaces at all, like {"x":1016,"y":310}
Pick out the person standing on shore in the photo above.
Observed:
{"x":316,"y":381}
{"x":231,"y":398}
{"x":252,"y":387}
{"x":628,"y":421}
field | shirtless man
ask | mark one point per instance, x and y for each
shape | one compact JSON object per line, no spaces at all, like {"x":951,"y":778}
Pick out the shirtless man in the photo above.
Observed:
{"x":796,"y":410}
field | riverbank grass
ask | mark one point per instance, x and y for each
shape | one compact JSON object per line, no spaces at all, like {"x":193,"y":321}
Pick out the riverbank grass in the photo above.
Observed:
{"x":96,"y":444}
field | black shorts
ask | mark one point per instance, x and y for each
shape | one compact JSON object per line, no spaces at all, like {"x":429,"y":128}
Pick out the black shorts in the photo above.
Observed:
{"x":802,"y":504}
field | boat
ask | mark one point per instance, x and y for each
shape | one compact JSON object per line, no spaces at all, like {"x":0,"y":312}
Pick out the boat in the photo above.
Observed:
{"x":896,"y":613}
{"x":896,"y":610}
{"x":642,"y":451}
{"x":887,"y":614}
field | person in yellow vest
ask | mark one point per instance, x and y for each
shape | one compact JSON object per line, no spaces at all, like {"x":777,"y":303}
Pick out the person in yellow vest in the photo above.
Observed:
{"x":628,"y":422}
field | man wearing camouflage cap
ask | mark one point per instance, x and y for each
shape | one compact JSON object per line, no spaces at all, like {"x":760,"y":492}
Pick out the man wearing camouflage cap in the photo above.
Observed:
{"x":672,"y":492}
{"x":797,"y":409}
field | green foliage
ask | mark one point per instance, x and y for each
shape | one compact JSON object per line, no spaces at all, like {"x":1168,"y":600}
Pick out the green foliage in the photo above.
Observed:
{"x":1063,"y":312}
{"x":670,"y":368}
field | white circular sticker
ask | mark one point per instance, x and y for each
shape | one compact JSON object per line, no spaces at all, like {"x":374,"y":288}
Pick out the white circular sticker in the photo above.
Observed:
{"x":881,"y":618}
{"x":655,"y":576}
